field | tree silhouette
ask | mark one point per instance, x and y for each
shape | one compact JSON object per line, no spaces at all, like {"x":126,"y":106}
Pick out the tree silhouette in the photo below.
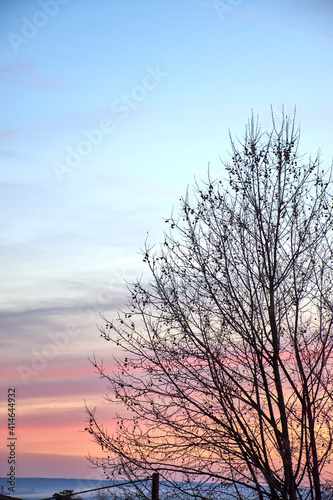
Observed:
{"x":228,"y":369}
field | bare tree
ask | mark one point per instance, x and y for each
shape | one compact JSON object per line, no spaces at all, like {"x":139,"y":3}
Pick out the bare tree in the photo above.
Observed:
{"x":228,"y":370}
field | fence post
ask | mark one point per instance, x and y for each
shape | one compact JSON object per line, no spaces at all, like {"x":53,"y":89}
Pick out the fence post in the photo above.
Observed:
{"x":155,"y":486}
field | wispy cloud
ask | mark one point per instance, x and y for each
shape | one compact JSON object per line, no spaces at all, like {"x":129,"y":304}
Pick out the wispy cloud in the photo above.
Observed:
{"x":18,"y":68}
{"x":26,"y":73}
{"x":44,"y":84}
{"x":281,"y":23}
{"x":7,"y":133}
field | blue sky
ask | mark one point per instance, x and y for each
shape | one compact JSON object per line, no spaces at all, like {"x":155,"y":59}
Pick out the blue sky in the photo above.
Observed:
{"x":109,"y":109}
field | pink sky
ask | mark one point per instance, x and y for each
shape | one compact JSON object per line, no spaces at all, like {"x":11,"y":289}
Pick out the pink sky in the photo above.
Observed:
{"x":50,"y":419}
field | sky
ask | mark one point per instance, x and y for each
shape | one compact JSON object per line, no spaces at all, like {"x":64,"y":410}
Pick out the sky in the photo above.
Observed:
{"x":109,"y":111}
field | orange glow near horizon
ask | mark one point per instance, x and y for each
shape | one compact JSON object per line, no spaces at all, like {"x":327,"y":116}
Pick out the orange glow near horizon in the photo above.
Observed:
{"x":51,"y":418}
